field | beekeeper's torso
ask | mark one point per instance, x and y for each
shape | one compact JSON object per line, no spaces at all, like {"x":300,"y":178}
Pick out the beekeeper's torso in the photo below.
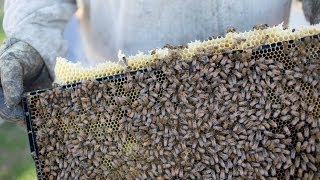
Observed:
{"x":142,"y":25}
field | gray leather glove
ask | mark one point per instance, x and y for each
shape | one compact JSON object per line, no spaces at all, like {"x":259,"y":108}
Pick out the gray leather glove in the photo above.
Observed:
{"x":311,"y":9}
{"x":21,"y":68}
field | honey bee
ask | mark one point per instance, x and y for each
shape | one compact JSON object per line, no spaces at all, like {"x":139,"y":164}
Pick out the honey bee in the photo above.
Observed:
{"x":260,"y":26}
{"x":231,"y":30}
{"x":312,"y":166}
{"x":238,"y":41}
{"x":306,"y":132}
{"x":286,"y":130}
{"x":265,"y":39}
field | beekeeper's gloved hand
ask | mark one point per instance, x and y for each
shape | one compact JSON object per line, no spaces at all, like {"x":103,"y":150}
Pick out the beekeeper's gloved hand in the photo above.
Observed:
{"x":27,"y":62}
{"x":311,"y":9}
{"x":20,"y":66}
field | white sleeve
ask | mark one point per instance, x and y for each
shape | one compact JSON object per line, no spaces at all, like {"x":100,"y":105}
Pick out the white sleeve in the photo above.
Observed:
{"x":39,"y":23}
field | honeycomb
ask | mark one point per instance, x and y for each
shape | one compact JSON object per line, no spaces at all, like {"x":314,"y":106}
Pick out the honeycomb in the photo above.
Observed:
{"x":68,"y":73}
{"x":208,"y":114}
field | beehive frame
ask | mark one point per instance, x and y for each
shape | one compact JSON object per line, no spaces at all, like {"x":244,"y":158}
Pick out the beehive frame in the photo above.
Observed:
{"x":279,"y":126}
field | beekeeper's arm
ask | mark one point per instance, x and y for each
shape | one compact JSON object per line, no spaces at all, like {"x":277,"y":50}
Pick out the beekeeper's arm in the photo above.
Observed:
{"x":34,"y":38}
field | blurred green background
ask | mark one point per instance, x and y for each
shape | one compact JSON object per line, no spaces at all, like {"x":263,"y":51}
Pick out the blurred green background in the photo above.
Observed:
{"x":15,"y":159}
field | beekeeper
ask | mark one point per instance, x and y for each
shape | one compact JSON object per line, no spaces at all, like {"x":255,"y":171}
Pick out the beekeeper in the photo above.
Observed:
{"x":35,"y":28}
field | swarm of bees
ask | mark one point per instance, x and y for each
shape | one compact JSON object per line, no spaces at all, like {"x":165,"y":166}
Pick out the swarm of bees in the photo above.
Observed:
{"x":251,"y":114}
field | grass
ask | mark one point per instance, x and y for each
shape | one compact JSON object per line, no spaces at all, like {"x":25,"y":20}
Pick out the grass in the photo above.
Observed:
{"x":2,"y":35}
{"x":15,"y":159}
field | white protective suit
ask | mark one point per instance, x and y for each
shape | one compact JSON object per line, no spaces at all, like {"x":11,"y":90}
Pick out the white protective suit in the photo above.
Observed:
{"x":132,"y":26}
